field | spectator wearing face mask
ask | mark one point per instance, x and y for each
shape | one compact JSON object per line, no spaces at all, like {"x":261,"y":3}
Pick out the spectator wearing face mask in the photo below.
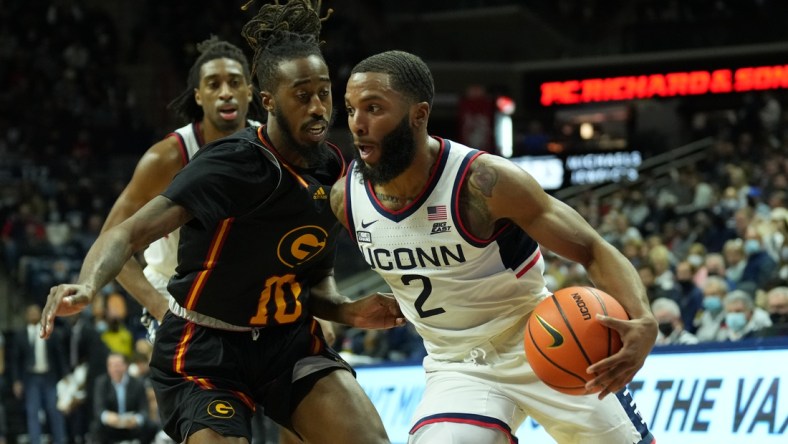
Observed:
{"x":759,"y":267}
{"x":696,"y":256}
{"x":671,"y":326}
{"x":742,"y":317}
{"x":711,"y":317}
{"x":735,"y":260}
{"x":715,"y":266}
{"x":777,"y":307}
{"x":654,"y":290}
{"x":690,"y":297}
{"x":117,"y":336}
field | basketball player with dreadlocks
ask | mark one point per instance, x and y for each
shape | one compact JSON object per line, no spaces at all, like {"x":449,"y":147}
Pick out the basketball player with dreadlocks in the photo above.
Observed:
{"x":215,"y":102}
{"x":255,"y":264}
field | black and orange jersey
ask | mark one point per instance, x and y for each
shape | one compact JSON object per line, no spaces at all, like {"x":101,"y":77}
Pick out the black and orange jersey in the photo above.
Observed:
{"x":263,"y":231}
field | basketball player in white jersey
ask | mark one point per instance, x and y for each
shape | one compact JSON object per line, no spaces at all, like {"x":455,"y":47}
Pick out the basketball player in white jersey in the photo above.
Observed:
{"x":456,"y":234}
{"x":216,"y":102}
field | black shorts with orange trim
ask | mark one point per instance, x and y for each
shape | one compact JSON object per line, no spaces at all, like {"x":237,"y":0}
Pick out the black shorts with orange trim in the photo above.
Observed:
{"x":210,"y":378}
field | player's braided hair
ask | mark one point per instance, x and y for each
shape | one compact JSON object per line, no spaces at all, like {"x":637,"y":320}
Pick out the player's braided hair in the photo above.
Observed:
{"x":209,"y":49}
{"x":281,"y":32}
{"x":408,"y":73}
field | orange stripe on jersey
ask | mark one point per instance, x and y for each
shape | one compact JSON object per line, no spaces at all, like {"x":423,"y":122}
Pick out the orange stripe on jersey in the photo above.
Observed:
{"x":246,"y":399}
{"x":180,"y":350}
{"x":179,"y":366}
{"x":282,"y":161}
{"x":296,"y":175}
{"x":317,"y":344}
{"x":180,"y":357}
{"x":210,"y":262}
{"x":341,"y":159}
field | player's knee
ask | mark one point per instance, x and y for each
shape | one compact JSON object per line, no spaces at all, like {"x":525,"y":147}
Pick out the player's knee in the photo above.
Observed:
{"x":457,"y":433}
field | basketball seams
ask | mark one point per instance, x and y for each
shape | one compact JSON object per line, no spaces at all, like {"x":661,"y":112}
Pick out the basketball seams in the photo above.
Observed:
{"x":536,"y":346}
{"x":571,"y":330}
{"x":570,"y":312}
{"x":604,"y":310}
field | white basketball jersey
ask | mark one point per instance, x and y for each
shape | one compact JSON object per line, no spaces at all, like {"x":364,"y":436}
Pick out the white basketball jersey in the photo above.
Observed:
{"x":457,"y":290}
{"x":161,"y":256}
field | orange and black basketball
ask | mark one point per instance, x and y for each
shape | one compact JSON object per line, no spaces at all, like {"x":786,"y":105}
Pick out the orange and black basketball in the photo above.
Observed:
{"x":563,"y":336}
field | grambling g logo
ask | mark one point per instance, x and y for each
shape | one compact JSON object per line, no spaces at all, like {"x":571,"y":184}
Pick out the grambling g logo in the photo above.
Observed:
{"x":558,"y":338}
{"x":301,"y":244}
{"x":221,"y":409}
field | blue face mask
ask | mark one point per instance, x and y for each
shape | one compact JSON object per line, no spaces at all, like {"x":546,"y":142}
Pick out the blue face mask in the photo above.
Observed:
{"x":735,"y":321}
{"x":712,"y":304}
{"x":751,"y":246}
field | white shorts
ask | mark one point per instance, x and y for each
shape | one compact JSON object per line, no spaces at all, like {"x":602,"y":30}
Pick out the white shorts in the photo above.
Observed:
{"x":158,"y":281}
{"x":496,"y":388}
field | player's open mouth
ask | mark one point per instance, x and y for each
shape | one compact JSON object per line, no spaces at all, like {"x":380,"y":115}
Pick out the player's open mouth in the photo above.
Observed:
{"x":365,"y":150}
{"x":317,"y":132}
{"x":228,"y":113}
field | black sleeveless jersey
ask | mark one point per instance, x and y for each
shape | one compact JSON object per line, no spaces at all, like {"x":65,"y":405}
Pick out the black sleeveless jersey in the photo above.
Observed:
{"x":263,"y":231}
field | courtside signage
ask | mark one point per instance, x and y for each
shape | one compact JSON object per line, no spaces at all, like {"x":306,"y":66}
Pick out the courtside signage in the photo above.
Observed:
{"x":669,"y":84}
{"x":730,"y":396}
{"x":687,"y":398}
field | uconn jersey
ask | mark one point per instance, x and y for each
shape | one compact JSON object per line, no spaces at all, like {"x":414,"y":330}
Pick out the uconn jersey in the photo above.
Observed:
{"x":161,"y":256}
{"x":458,"y":290}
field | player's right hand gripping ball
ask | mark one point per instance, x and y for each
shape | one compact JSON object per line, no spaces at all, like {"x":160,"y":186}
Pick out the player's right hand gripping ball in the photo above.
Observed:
{"x":563,"y":336}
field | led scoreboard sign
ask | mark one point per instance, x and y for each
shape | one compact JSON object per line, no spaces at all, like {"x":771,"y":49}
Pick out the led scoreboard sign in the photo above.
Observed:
{"x":670,"y":84}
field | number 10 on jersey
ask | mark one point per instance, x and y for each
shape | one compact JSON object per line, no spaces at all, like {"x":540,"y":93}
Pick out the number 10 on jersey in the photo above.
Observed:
{"x":279,"y":303}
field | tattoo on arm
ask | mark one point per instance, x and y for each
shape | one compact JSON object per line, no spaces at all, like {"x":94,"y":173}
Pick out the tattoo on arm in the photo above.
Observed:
{"x":484,"y":180}
{"x":475,"y":212}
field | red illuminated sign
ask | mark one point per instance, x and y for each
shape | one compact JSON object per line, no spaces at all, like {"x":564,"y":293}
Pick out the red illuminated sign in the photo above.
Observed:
{"x":672,"y":84}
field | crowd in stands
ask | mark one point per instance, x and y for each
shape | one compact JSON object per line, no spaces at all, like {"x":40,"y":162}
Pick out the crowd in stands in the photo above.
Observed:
{"x":711,"y":247}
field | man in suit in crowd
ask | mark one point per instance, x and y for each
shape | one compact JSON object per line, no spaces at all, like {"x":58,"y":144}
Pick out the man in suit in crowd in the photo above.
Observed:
{"x":120,"y":405}
{"x":37,"y":366}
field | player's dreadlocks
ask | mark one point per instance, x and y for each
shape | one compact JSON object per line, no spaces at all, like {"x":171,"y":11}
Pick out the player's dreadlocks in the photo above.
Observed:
{"x":210,"y":49}
{"x":281,"y":32}
{"x":408,"y":73}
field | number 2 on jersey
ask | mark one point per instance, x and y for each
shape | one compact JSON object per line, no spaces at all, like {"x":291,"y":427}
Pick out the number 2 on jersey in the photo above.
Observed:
{"x":425,"y":293}
{"x":284,"y":290}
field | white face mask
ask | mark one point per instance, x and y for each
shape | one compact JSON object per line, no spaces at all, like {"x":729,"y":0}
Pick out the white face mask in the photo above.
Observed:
{"x":751,"y":246}
{"x":736,"y":321}
{"x":695,"y":260}
{"x":734,"y":273}
{"x":730,"y":204}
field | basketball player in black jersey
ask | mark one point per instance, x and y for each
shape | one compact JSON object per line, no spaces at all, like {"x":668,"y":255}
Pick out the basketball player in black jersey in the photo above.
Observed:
{"x":216,"y":101}
{"x":255,"y":264}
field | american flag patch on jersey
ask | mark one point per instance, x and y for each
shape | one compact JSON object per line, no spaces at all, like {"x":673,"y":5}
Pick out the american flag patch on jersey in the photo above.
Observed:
{"x":437,"y":212}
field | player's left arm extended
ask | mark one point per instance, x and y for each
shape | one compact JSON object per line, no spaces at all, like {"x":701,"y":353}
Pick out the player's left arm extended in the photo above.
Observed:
{"x":511,"y":193}
{"x":374,"y":311}
{"x":108,"y":255}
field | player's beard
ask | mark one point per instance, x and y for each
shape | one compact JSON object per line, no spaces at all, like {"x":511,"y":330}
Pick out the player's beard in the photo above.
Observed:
{"x":316,"y":154}
{"x":397,"y":151}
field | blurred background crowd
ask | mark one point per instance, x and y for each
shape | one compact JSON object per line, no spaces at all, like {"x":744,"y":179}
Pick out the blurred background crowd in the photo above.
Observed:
{"x":86,"y":91}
